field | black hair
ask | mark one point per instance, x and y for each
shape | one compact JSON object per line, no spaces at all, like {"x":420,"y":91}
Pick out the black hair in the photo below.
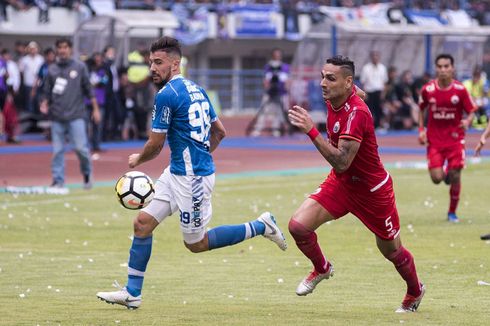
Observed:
{"x":5,"y":51}
{"x":64,"y":40}
{"x":345,"y":63}
{"x":167,"y":44}
{"x":445,"y":56}
{"x":48,"y":51}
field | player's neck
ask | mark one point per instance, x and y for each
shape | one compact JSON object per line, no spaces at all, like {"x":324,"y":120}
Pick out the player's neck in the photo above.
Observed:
{"x":340,"y":101}
{"x":444,"y":83}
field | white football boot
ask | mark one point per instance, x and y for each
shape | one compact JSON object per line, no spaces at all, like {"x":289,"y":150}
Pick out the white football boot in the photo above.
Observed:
{"x":121,"y":297}
{"x":272,"y":231}
{"x":410,"y":303}
{"x":309,"y":283}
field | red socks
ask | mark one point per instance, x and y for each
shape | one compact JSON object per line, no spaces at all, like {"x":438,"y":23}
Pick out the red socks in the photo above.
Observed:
{"x":454,"y":190}
{"x":306,"y":241}
{"x":404,"y":264}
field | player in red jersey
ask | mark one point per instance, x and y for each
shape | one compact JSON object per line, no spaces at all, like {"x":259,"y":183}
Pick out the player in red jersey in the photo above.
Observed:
{"x":446,"y":101}
{"x":357,"y":184}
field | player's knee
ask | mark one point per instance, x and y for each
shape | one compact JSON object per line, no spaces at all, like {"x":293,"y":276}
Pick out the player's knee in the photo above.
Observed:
{"x":436,"y":179}
{"x":196,"y":247}
{"x":297,"y":230}
{"x":141,"y":227}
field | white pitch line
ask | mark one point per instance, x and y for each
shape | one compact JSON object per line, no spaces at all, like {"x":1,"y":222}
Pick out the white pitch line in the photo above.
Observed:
{"x":49,"y":201}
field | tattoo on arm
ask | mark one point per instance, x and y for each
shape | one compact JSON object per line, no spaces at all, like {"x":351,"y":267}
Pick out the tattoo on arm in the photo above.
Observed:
{"x":340,"y":158}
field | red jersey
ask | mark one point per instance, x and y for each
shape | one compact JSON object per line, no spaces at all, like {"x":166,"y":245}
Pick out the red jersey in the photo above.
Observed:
{"x":354,"y":121}
{"x":446,"y":107}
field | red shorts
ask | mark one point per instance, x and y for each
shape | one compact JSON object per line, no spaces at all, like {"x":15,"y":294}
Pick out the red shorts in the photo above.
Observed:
{"x":377,"y":209}
{"x":455,"y":155}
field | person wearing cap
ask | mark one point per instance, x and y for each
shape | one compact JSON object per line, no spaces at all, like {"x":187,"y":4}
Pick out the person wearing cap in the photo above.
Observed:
{"x":29,"y":66}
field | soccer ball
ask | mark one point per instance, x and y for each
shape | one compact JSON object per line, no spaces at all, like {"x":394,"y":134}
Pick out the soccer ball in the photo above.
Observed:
{"x":134,"y":190}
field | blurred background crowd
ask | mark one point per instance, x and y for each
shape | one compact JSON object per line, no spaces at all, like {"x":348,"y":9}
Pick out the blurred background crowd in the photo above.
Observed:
{"x":124,"y":90}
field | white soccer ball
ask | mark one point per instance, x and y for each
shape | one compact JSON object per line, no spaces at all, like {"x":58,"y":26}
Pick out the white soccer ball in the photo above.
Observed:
{"x":134,"y":190}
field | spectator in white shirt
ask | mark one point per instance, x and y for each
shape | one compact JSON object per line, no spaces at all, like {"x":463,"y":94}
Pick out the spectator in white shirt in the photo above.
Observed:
{"x":373,"y":78}
{"x":29,"y":67}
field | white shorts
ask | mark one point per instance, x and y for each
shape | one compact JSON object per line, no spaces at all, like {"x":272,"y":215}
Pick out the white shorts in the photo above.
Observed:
{"x":191,"y":195}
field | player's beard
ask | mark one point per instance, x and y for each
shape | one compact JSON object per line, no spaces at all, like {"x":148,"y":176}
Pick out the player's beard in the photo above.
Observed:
{"x":164,"y":79}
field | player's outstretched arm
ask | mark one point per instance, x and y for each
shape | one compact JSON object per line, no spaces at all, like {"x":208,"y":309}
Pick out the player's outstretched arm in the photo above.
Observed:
{"x":218,"y":132}
{"x":340,"y":158}
{"x":422,"y":132}
{"x":152,"y":148}
{"x":483,"y":140}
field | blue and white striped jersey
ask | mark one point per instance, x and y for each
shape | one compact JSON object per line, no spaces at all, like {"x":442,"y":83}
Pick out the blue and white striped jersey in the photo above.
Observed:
{"x":182,"y":110}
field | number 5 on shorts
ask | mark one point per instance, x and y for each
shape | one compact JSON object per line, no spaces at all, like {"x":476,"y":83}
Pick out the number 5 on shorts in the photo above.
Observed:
{"x":389,"y":225}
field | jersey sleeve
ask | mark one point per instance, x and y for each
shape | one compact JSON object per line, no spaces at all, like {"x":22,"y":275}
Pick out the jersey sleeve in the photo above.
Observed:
{"x":162,"y":113}
{"x":423,"y":99}
{"x":355,"y":126}
{"x":467,"y":102}
{"x":212,"y":113}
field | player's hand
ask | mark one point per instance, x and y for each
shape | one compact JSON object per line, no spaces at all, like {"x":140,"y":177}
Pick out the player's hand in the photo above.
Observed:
{"x":465,"y":124}
{"x":43,"y":107}
{"x":96,"y":116}
{"x":479,"y":147}
{"x":133,"y":160}
{"x":422,"y":137}
{"x":300,"y":118}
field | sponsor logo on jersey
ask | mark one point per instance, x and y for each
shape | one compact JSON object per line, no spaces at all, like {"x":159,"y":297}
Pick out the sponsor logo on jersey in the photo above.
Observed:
{"x":165,"y":118}
{"x":153,"y":112}
{"x":336,"y":127}
{"x":73,"y":74}
{"x":430,"y":88}
{"x":455,"y":99}
{"x":444,"y":115}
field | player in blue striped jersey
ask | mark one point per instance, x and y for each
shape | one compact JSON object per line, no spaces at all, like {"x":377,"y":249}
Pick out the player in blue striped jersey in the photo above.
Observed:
{"x":184,"y":115}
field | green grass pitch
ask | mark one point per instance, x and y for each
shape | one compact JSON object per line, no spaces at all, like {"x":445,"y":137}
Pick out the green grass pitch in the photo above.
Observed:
{"x":56,"y":252}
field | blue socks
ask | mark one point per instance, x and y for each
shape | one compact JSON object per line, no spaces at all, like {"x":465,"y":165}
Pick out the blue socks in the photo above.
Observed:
{"x":227,"y":235}
{"x":139,"y":255}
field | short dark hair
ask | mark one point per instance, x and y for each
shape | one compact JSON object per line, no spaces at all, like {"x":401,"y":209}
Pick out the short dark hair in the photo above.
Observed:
{"x":48,"y":51}
{"x":167,"y":44}
{"x":345,"y":63}
{"x":445,"y":56}
{"x":62,"y":40}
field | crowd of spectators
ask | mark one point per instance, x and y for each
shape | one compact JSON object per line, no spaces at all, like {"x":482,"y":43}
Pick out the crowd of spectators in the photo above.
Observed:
{"x":477,"y":9}
{"x":123,"y":94}
{"x":43,"y":6}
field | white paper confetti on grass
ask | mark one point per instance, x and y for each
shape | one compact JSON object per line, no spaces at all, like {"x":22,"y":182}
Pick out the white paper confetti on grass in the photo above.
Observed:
{"x":482,"y":283}
{"x":85,"y":243}
{"x":22,"y":295}
{"x":123,"y":265}
{"x":199,"y":261}
{"x":67,"y":241}
{"x":57,"y":290}
{"x":225,"y":261}
{"x":184,"y":302}
{"x":90,"y":260}
{"x":280,"y":280}
{"x":67,"y":205}
{"x":79,"y":266}
{"x":49,"y":287}
{"x":296,"y":263}
{"x":230,"y":296}
{"x":11,"y":216}
{"x":250,"y":247}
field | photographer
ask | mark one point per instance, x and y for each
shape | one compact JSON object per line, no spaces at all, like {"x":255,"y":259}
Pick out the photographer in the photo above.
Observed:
{"x":275,"y":102}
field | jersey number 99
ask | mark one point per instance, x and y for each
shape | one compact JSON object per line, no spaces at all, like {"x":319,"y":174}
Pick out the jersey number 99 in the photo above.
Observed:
{"x":199,"y":118}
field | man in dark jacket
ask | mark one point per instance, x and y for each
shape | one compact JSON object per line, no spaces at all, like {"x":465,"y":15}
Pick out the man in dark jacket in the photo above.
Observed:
{"x":66,"y":86}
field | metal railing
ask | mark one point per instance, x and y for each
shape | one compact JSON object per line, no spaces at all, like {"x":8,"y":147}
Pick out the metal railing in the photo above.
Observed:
{"x":237,"y":90}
